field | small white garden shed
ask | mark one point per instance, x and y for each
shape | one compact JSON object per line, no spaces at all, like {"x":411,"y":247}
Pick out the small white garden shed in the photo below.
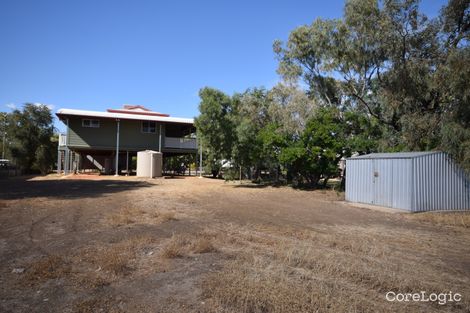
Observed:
{"x":149,"y":164}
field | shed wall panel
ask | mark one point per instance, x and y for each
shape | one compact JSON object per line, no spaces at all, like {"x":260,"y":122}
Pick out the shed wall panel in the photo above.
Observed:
{"x":359,"y":181}
{"x":440,"y":184}
{"x":402,"y":179}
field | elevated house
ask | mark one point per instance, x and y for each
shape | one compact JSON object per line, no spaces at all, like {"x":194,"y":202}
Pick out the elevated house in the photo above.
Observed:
{"x":107,"y":141}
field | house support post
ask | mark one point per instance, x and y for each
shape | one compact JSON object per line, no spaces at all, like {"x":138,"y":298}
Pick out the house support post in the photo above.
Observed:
{"x":59,"y":161}
{"x":200,"y":158}
{"x":66,"y":151}
{"x":71,"y":162}
{"x":160,"y":139}
{"x":66,"y":161}
{"x":127,"y":163}
{"x":117,"y":149}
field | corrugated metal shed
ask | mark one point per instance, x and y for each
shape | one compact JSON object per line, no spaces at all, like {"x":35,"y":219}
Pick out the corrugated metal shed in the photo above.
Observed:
{"x":413,"y":181}
{"x":395,"y":155}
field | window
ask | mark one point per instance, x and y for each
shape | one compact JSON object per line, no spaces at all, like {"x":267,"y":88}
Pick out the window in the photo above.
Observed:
{"x":91,"y":123}
{"x":148,"y":127}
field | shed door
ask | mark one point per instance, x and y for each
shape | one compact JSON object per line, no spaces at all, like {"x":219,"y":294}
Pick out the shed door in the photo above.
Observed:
{"x":382,"y":182}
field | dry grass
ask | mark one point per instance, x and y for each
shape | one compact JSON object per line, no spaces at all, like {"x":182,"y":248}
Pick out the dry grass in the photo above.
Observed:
{"x":277,"y":251}
{"x":179,"y":246}
{"x":459,"y":219}
{"x":125,"y":217}
{"x":134,"y":215}
{"x":333,"y":269}
{"x":48,"y":267}
{"x":175,"y":247}
{"x":94,"y":266}
{"x":161,"y":217}
{"x":261,"y":286}
{"x":57,"y":267}
{"x":98,"y":266}
{"x":90,"y":280}
{"x":117,"y":258}
{"x":97,"y":304}
{"x":116,"y":262}
{"x":202,"y":245}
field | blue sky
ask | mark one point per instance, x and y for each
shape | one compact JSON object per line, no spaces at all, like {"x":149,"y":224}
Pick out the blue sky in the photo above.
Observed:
{"x":96,"y":55}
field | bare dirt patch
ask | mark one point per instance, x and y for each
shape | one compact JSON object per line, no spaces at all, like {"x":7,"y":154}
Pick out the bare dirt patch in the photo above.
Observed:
{"x":201,"y":245}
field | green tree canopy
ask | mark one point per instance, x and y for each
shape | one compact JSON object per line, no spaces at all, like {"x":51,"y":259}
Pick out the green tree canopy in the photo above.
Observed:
{"x":387,"y":61}
{"x":31,"y":132}
{"x":215,"y":127}
{"x":384,"y":77}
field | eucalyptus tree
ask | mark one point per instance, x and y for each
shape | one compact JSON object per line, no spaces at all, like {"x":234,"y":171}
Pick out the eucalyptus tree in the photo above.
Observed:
{"x":389,"y":62}
{"x":453,"y":79}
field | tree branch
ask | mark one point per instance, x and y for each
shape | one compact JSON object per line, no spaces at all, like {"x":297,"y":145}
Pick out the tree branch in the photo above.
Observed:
{"x":377,"y":116}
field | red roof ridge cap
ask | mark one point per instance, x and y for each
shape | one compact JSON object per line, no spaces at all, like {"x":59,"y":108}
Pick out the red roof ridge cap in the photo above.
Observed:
{"x":133,"y":107}
{"x":125,"y":111}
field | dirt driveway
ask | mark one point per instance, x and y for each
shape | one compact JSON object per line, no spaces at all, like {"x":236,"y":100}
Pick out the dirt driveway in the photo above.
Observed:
{"x":202,"y":245}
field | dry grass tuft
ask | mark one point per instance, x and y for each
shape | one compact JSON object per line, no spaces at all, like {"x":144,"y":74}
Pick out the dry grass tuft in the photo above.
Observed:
{"x":135,"y":243}
{"x":125,"y":217}
{"x":115,"y":258}
{"x":179,"y":246}
{"x":166,"y":216}
{"x":90,"y":280}
{"x":459,"y":219}
{"x":97,"y":304}
{"x":116,"y":262}
{"x":175,"y":247}
{"x":202,"y":245}
{"x":49,"y":267}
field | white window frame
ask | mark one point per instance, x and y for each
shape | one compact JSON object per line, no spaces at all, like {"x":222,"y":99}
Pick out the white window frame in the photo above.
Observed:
{"x":148,"y":128}
{"x":92,"y":123}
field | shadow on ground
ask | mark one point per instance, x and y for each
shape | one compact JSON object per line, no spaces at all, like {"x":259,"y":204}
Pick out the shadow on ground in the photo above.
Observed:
{"x":64,"y":188}
{"x":254,"y":186}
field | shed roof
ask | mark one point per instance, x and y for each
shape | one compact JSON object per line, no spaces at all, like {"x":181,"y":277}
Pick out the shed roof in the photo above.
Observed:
{"x":394,"y":155}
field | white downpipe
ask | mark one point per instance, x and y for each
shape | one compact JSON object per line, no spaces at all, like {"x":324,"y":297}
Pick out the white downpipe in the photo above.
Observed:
{"x":117,"y":149}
